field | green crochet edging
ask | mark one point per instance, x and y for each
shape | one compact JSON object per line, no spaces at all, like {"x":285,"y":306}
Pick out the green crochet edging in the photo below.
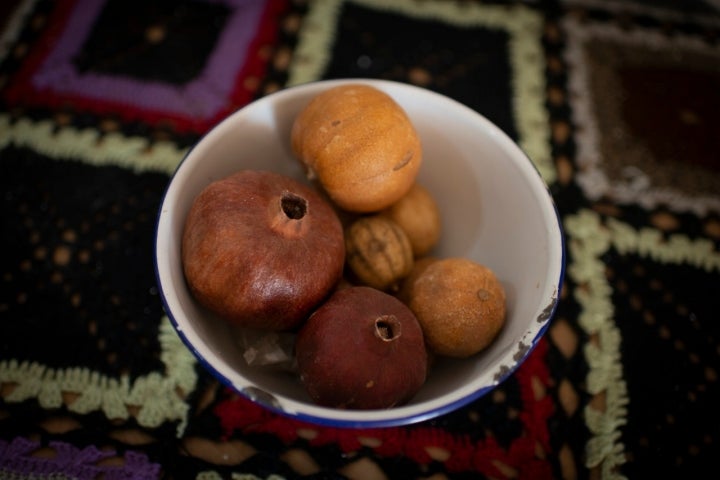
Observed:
{"x":156,"y":395}
{"x":589,"y":239}
{"x":212,"y":475}
{"x":524,"y":26}
{"x":90,"y":145}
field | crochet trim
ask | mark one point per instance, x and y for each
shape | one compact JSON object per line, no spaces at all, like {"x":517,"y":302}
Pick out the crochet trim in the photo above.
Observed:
{"x":154,"y":395}
{"x":523,"y":25}
{"x":90,"y":145}
{"x":212,"y":475}
{"x":590,"y":239}
{"x":17,"y":462}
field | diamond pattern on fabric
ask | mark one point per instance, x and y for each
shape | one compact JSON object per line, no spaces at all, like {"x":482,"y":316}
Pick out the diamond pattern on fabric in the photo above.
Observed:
{"x":96,"y":57}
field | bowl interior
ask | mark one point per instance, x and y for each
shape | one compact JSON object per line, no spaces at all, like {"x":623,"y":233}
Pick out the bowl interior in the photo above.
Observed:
{"x":495,"y":210}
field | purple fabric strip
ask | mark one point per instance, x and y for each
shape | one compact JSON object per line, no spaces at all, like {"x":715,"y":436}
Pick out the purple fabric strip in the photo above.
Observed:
{"x":200,"y":98}
{"x":16,"y":459}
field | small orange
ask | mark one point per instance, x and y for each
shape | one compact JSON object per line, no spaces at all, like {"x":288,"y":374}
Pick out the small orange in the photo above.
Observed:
{"x":460,"y":305}
{"x":360,"y":146}
{"x":418,"y":215}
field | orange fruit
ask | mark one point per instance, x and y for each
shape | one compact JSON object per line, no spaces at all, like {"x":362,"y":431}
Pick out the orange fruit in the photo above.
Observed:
{"x":360,"y":146}
{"x":460,"y":305}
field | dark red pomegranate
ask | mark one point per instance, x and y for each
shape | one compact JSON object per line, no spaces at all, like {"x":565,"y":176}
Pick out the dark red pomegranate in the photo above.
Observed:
{"x":262,"y":250}
{"x":362,"y":349}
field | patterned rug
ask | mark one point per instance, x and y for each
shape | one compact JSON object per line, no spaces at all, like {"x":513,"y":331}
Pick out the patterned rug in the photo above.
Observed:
{"x":616,"y":102}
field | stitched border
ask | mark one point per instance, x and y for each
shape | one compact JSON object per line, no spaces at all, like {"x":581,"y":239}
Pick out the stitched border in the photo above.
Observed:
{"x":201,"y":98}
{"x":155,"y":395}
{"x":71,"y":462}
{"x":47,"y":78}
{"x":91,"y":146}
{"x":524,"y":26}
{"x":589,"y":239}
{"x":213,"y":475}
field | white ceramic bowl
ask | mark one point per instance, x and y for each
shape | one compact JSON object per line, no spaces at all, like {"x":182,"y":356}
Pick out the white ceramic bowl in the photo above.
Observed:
{"x":495,"y":209}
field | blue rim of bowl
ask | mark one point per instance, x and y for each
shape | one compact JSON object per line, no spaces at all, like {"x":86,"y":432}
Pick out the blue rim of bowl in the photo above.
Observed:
{"x":344,"y":423}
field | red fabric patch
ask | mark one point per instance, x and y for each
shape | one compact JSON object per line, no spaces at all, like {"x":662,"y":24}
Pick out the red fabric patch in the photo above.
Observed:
{"x":239,"y":415}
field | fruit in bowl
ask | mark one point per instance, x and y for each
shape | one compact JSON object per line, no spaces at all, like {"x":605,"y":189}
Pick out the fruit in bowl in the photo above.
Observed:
{"x":261,"y":249}
{"x":495,"y":210}
{"x":360,"y":144}
{"x":361,"y":349}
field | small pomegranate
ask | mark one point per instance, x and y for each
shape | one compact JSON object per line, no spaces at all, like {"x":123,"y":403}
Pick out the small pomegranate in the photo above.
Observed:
{"x":362,"y":349}
{"x":262,"y":250}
